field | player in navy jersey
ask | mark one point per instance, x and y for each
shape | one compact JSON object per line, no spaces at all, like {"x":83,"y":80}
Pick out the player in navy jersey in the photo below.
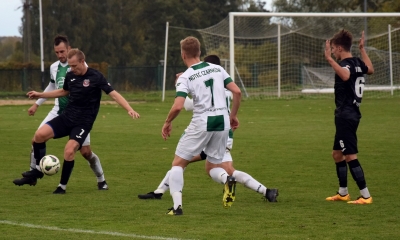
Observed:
{"x":349,"y":86}
{"x":84,"y":86}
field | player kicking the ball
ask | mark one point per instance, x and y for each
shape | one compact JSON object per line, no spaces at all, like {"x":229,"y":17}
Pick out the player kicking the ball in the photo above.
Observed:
{"x":227,"y":162}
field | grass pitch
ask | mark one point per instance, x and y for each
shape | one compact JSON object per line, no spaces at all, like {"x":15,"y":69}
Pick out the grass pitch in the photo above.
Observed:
{"x":282,"y":143}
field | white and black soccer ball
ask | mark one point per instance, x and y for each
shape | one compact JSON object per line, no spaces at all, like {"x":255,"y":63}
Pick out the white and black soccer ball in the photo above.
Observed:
{"x":49,"y":164}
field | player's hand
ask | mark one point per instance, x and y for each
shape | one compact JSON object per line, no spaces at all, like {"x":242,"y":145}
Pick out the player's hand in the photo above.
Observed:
{"x":32,"y":110}
{"x":328,"y":51}
{"x":33,"y":95}
{"x":166,"y":130}
{"x":361,"y":44}
{"x":177,"y":76}
{"x":134,"y":114}
{"x":234,"y":123}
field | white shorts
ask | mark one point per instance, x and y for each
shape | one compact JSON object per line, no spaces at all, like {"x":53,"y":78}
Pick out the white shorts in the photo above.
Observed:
{"x":227,"y":156}
{"x":52,"y":114}
{"x":192,"y":142}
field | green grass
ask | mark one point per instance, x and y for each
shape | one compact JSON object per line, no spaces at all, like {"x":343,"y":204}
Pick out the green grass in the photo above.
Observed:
{"x":282,"y":143}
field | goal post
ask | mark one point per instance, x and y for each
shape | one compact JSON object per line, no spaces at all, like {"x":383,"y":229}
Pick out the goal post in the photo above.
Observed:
{"x":281,"y":54}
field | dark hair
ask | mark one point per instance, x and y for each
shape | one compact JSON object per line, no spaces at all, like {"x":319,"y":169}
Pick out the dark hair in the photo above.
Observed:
{"x":61,"y":38}
{"x":214,"y":59}
{"x":344,"y":39}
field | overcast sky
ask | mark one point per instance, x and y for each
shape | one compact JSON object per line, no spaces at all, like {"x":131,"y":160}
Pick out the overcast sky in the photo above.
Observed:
{"x":10,"y":16}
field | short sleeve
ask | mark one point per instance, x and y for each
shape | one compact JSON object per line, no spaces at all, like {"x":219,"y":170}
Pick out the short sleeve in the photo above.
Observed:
{"x":226,"y":77}
{"x":66,"y":82}
{"x":182,"y":88}
{"x":104,"y":84}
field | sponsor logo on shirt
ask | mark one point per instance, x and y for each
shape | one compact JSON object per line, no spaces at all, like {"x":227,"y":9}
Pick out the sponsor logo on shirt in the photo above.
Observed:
{"x":86,"y":83}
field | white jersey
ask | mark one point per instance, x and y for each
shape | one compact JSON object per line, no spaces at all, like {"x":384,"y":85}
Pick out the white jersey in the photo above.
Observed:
{"x":206,"y":82}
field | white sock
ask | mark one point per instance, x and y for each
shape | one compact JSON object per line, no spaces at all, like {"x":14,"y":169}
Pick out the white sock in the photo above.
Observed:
{"x":365,"y":193}
{"x":95,"y":165}
{"x":176,"y":185}
{"x":33,"y":160}
{"x":164,"y":185}
{"x":343,"y":191}
{"x":62,"y":186}
{"x":249,"y":182}
{"x":219,"y":175}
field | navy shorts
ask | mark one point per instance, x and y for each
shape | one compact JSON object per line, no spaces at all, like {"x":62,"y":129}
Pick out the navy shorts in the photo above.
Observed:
{"x":346,"y":135}
{"x":64,"y":127}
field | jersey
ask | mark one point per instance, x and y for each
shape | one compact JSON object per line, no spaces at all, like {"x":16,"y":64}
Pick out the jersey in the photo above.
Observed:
{"x":58,"y":71}
{"x":84,"y":96}
{"x":348,"y":94}
{"x":206,"y":83}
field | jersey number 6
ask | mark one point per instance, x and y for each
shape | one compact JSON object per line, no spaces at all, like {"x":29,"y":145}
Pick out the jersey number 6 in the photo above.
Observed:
{"x":359,"y":86}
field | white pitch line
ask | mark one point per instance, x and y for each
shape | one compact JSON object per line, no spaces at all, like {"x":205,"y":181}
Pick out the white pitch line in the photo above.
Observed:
{"x":118,"y":234}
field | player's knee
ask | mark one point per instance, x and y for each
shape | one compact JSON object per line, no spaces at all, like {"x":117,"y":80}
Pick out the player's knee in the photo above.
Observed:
{"x":86,"y":152}
{"x":337,"y":156}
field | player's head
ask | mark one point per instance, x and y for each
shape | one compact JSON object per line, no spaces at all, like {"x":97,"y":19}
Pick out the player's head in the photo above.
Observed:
{"x":61,"y":47}
{"x":76,"y":61}
{"x":341,"y":43}
{"x":214,"y":59}
{"x":190,"y":48}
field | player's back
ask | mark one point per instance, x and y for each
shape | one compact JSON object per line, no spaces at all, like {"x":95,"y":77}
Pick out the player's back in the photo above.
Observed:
{"x":205,"y":82}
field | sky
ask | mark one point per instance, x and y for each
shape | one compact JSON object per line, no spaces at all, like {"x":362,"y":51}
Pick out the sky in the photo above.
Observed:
{"x":10,"y":16}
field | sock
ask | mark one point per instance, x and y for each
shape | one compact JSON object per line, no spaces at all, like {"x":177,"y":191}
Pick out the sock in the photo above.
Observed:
{"x":164,"y":185}
{"x":176,"y":185}
{"x":358,"y":176}
{"x":249,"y":182}
{"x":341,"y":171}
{"x":33,"y":160}
{"x":66,"y":172}
{"x":219,"y":175}
{"x":95,"y":165}
{"x":39,"y":151}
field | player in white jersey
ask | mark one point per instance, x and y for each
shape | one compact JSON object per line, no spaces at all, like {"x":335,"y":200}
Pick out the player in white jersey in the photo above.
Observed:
{"x":58,"y":70}
{"x":227,"y":162}
{"x":210,"y":123}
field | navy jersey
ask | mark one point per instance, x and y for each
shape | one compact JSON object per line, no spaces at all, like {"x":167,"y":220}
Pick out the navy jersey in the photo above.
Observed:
{"x":84,"y":96}
{"x":348,"y":94}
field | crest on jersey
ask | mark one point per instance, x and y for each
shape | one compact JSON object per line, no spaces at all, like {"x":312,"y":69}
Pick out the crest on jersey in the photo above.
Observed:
{"x":348,"y":66}
{"x":86,"y":83}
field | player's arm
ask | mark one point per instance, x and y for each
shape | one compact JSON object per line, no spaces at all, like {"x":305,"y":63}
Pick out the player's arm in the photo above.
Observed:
{"x":173,"y":113}
{"x":123,"y":103}
{"x":32,"y":110}
{"x":364,"y":55}
{"x":52,"y":94}
{"x":342,"y":72}
{"x":237,"y":95}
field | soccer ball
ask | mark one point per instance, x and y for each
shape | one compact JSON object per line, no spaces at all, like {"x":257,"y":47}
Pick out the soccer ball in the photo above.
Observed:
{"x":49,"y":164}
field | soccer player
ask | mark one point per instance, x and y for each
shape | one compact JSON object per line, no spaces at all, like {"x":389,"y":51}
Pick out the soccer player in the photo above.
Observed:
{"x":349,"y":85}
{"x":84,"y":86}
{"x":210,"y":124}
{"x":227,"y":162}
{"x":58,"y":70}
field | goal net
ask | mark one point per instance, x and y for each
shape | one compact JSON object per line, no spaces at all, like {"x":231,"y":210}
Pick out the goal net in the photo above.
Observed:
{"x":282,"y":54}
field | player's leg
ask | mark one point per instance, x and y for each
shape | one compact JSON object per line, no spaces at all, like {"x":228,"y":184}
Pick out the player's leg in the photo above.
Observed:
{"x":77,"y":136}
{"x":29,"y":180}
{"x":340,"y":162}
{"x":94,"y":163}
{"x":355,"y":168}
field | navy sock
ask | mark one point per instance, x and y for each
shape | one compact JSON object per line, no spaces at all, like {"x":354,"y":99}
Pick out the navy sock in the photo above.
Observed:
{"x":357,"y":173}
{"x":39,"y":150}
{"x":66,"y":171}
{"x":341,"y":171}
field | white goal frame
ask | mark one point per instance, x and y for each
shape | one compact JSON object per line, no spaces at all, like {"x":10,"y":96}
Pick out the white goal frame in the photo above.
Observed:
{"x":232,"y":15}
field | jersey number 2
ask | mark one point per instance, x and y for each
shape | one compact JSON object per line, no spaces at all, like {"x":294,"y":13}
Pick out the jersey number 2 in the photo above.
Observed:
{"x":359,"y":86}
{"x":209,"y":83}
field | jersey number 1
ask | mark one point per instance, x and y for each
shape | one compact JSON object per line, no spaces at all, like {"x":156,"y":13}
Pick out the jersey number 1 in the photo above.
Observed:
{"x":209,"y":83}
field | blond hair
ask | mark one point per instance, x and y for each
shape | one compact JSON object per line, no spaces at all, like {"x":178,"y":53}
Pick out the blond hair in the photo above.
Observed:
{"x":75,"y":51}
{"x":191,"y":47}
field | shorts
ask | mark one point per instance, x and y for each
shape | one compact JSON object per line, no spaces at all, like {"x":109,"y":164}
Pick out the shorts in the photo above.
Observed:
{"x":227,"y":156}
{"x":52,"y":114}
{"x":192,"y":142}
{"x":63,"y":127}
{"x":346,"y":137}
